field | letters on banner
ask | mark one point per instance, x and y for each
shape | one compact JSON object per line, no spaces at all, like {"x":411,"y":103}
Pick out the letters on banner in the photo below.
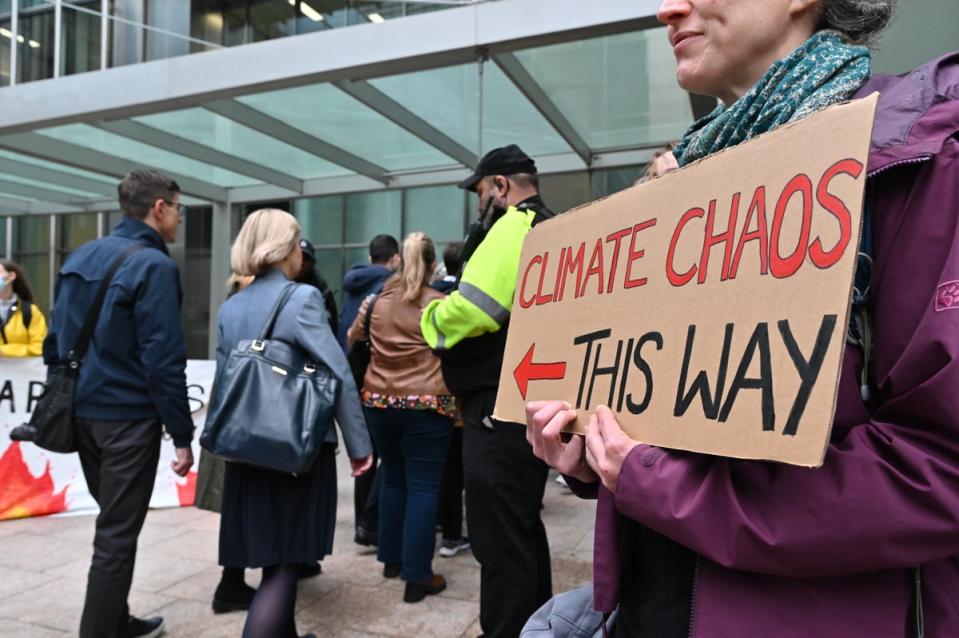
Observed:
{"x":706,"y":308}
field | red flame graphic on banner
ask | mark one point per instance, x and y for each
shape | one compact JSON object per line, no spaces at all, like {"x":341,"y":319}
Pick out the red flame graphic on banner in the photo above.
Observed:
{"x":21,"y":493}
{"x":186,"y":493}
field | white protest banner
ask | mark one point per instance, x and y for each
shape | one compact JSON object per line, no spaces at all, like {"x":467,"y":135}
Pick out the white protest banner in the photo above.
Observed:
{"x":706,"y":308}
{"x":35,"y":482}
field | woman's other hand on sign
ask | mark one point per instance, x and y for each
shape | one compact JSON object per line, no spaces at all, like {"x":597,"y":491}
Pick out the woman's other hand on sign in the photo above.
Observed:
{"x":545,"y":421}
{"x":607,"y":446}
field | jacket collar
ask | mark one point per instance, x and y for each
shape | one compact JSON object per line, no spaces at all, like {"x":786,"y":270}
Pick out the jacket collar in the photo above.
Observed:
{"x":131,"y":228}
{"x":271,"y":274}
{"x":917,"y":112}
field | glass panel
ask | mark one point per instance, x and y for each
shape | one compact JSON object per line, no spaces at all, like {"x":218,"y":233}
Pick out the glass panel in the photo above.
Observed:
{"x":5,"y":6}
{"x":357,"y":255}
{"x":616,"y":91}
{"x":333,"y":116}
{"x":3,"y":237}
{"x":73,"y":231}
{"x":613,"y":180}
{"x":126,"y":40}
{"x":329,"y":265}
{"x":321,"y":220}
{"x":31,"y":249}
{"x":438,"y":211}
{"x":63,"y":168}
{"x":195,"y":277}
{"x":448,"y":99}
{"x":271,"y":19}
{"x":565,"y":191}
{"x":377,"y":12}
{"x":57,"y":188}
{"x":80,"y":42}
{"x":35,"y":43}
{"x":372,"y":214}
{"x":94,"y":138}
{"x":208,"y":128}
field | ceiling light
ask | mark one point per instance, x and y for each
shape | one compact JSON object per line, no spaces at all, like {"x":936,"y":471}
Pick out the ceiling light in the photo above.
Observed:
{"x":34,"y":44}
{"x":375,"y":18}
{"x":292,"y":2}
{"x":6,"y":33}
{"x":310,"y":12}
{"x":20,"y":39}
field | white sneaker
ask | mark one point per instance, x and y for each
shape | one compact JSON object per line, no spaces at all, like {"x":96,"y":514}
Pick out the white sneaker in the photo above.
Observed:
{"x":450,"y":548}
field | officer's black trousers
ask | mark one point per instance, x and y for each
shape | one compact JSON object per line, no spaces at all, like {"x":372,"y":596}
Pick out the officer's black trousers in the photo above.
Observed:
{"x":504,"y":495}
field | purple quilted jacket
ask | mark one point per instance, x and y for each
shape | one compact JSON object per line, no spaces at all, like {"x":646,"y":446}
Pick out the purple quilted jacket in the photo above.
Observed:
{"x":793,"y":552}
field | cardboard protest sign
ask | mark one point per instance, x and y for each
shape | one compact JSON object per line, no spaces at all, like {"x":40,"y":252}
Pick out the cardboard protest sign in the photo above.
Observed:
{"x":708,"y":308}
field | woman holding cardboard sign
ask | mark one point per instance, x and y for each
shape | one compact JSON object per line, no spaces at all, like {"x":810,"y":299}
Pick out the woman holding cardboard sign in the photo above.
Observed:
{"x":868,"y":544}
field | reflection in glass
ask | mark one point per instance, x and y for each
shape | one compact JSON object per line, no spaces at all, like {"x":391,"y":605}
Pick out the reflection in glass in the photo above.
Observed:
{"x":34,"y":44}
{"x":80,"y":42}
{"x":617,"y":91}
{"x":437,"y":211}
{"x":5,"y":35}
{"x":321,"y":219}
{"x":32,"y":251}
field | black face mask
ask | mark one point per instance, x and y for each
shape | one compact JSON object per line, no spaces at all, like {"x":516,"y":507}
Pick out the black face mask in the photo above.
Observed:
{"x":490,"y":212}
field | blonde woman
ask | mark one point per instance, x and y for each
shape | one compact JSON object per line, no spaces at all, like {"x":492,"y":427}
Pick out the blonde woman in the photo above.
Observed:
{"x":272,"y":520}
{"x":410,"y":413}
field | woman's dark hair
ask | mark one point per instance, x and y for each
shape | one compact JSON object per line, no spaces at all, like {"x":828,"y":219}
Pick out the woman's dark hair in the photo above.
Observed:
{"x":20,"y":285}
{"x":859,"y":20}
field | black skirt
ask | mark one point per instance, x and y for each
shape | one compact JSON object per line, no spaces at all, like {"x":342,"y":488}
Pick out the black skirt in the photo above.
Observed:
{"x":271,"y":518}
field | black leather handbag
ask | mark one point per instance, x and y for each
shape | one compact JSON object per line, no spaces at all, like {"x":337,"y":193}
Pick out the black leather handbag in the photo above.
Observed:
{"x":360,"y":351}
{"x":273,"y":406}
{"x":52,"y":417}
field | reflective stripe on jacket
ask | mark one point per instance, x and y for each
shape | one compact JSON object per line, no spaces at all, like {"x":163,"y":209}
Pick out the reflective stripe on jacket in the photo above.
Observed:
{"x":484,"y":300}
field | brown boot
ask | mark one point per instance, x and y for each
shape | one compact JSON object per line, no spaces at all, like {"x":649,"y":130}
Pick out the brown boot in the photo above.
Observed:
{"x":415,"y":592}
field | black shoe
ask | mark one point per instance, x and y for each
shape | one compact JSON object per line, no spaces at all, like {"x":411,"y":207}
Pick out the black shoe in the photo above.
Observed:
{"x":309,"y":571}
{"x":23,"y":432}
{"x":392,"y":570}
{"x":364,"y":537}
{"x":415,"y":592}
{"x":142,"y":628}
{"x":232,"y":597}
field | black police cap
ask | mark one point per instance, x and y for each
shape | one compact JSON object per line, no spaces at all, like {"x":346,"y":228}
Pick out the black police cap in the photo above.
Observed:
{"x":508,"y":160}
{"x":308,"y":249}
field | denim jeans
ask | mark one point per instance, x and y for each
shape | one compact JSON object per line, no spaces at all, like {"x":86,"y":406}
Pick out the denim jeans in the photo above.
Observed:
{"x":412,"y":445}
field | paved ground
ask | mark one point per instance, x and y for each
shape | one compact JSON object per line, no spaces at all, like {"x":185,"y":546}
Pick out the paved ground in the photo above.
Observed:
{"x":43,"y":565}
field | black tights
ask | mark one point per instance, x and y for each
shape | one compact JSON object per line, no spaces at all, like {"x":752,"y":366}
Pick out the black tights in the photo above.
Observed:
{"x":271,"y":612}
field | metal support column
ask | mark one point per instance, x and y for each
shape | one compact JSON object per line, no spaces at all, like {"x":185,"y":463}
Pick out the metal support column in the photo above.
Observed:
{"x":8,"y":249}
{"x":57,"y":36}
{"x":220,"y":242}
{"x":104,"y":32}
{"x":15,"y":29}
{"x":53,"y":259}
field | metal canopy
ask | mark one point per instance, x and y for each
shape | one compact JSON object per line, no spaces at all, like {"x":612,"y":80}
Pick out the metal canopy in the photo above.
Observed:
{"x":403,"y":103}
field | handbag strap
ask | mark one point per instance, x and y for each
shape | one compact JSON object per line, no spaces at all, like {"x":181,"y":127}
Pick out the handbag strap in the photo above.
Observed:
{"x":281,"y":300}
{"x":93,"y":314}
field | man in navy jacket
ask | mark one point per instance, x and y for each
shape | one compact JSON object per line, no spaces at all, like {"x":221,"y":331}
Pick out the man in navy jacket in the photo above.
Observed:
{"x":132,"y":384}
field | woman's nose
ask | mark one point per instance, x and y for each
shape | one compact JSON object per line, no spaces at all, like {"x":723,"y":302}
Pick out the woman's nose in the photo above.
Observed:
{"x":673,"y":11}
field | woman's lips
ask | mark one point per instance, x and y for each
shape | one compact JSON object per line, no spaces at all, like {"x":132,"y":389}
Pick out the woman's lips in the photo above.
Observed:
{"x":681,"y":40}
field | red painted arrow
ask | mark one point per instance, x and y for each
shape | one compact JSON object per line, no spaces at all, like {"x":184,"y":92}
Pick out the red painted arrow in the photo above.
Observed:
{"x":528,"y":371}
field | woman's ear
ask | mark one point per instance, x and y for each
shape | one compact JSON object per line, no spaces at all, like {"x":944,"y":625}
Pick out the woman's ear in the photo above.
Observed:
{"x":11,"y":276}
{"x":802,"y":6}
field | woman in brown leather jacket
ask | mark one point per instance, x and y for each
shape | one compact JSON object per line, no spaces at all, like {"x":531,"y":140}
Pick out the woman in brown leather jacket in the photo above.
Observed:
{"x":410,"y":414}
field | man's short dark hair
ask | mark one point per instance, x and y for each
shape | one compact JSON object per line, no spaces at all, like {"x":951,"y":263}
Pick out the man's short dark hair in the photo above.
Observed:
{"x":453,"y":258}
{"x":526,"y":180}
{"x":140,"y":189}
{"x":382,"y":248}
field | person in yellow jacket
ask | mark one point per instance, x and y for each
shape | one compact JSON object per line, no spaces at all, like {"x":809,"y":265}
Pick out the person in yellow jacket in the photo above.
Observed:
{"x":23,"y":326}
{"x":467,"y":329}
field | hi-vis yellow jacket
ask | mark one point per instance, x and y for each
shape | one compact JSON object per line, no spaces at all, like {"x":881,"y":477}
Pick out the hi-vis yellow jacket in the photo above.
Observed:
{"x":484,"y":299}
{"x":20,"y":341}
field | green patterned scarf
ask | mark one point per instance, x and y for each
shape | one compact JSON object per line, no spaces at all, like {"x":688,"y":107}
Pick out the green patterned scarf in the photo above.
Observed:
{"x":824,"y":70}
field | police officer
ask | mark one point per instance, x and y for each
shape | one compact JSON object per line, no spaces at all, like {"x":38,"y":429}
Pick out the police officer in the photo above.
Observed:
{"x":504,"y":481}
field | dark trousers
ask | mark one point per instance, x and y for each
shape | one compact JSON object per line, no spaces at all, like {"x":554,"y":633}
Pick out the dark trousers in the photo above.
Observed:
{"x":450,"y":516}
{"x":504,"y":495}
{"x":366,"y":497}
{"x":119,"y":460}
{"x":412,"y":446}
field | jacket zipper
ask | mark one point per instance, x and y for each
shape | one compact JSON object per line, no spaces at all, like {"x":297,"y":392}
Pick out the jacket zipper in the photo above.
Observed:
{"x":692,"y":601}
{"x":915,"y":160}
